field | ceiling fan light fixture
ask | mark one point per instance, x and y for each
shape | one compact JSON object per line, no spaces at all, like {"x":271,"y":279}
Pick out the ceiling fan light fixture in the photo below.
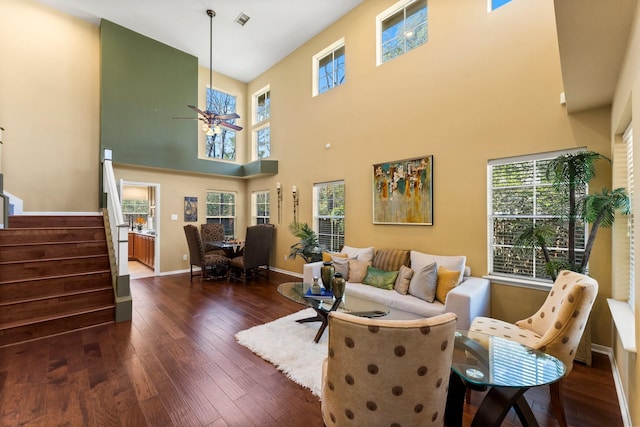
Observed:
{"x":210,"y":132}
{"x":217,"y":130}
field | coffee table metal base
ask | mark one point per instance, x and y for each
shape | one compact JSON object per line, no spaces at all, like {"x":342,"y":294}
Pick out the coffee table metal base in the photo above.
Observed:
{"x":321,"y":316}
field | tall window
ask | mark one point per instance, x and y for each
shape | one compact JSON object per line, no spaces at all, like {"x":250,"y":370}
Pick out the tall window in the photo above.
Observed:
{"x":221,"y":209}
{"x":260,"y":207}
{"x":221,"y":145}
{"x":401,"y":28}
{"x":261,"y":125}
{"x":329,"y":68}
{"x":328,"y":214}
{"x":520,"y":196}
{"x":494,"y":4}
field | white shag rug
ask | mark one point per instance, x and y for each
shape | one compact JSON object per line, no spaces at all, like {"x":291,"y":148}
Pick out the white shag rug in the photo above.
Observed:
{"x":289,"y":346}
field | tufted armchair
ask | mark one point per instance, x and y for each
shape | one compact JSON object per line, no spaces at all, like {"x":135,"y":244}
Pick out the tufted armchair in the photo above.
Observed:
{"x":387,"y":372}
{"x":555,"y":328}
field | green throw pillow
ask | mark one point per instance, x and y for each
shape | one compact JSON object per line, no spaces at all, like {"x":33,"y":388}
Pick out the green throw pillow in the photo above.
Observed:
{"x":380,"y":278}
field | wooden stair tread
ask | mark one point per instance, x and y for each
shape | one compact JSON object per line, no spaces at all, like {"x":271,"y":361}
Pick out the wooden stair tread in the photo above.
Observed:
{"x":57,"y":295}
{"x":75,"y":257}
{"x":58,"y":276}
{"x":40,"y":319}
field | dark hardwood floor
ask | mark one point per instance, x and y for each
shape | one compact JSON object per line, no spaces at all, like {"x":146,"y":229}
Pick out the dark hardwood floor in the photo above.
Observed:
{"x":177,"y":364}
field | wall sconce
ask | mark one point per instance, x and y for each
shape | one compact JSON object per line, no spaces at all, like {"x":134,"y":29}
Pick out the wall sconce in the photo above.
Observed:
{"x":279,"y":190}
{"x":295,"y":203}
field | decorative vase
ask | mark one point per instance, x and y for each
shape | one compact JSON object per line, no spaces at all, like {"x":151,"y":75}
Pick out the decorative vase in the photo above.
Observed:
{"x":315,"y":288}
{"x":326,"y":274}
{"x":338,"y":284}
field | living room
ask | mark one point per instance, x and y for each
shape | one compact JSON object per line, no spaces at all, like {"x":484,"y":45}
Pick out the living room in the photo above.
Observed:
{"x":485,"y":86}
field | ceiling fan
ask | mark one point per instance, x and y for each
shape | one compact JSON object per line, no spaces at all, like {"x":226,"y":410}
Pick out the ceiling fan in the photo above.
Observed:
{"x":212,"y":120}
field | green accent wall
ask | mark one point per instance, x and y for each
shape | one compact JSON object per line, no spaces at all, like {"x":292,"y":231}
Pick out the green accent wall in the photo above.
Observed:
{"x":144,"y":85}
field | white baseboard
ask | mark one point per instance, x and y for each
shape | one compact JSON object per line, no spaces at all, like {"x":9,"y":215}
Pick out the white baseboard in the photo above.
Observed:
{"x":622,"y":399}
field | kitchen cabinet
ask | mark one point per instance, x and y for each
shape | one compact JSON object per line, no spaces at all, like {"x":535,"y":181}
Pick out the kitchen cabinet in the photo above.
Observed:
{"x":143,"y":248}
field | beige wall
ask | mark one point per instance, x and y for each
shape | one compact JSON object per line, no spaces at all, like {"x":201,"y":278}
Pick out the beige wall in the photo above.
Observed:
{"x":49,"y":106}
{"x":485,"y":86}
{"x":627,"y":96}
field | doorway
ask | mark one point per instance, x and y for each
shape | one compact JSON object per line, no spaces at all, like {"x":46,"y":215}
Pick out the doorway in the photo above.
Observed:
{"x":141,"y":209}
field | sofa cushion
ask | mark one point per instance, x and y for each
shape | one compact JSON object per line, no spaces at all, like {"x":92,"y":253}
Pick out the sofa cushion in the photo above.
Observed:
{"x":357,"y":270}
{"x":395,"y":300}
{"x":342,"y":266}
{"x":420,"y":260}
{"x":447,"y":280}
{"x":403,"y":280}
{"x":380,"y":278}
{"x":328,"y":256}
{"x":424,"y":285}
{"x":362,"y":254}
{"x":390,"y":259}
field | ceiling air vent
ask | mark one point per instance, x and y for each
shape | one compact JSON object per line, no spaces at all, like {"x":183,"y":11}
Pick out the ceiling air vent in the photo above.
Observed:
{"x":242,"y":19}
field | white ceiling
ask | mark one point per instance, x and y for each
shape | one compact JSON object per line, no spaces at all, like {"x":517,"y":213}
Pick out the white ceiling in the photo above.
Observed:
{"x":275,"y":28}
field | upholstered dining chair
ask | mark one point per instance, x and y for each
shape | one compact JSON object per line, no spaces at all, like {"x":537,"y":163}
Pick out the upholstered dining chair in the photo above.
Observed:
{"x":556,"y":328}
{"x":211,"y":265}
{"x":387,"y":372}
{"x":212,"y":232}
{"x":256,"y":253}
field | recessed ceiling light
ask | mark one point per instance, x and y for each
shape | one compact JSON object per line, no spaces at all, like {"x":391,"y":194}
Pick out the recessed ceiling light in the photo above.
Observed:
{"x":242,"y":19}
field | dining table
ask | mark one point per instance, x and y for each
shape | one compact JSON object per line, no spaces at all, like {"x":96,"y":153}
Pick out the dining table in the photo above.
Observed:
{"x":504,"y":367}
{"x":231,"y":248}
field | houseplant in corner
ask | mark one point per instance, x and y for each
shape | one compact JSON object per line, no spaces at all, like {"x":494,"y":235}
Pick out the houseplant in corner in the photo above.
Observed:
{"x":307,"y":248}
{"x":569,"y":174}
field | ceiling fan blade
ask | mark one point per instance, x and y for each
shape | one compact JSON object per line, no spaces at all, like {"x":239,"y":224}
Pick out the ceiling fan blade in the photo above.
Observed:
{"x":196,"y":109}
{"x":230,"y":126}
{"x":228,"y":116}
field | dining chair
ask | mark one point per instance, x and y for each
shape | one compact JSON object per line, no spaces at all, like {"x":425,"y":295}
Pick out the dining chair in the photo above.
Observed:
{"x":387,"y":372}
{"x":212,"y":232}
{"x":256,"y":253}
{"x":556,"y":328}
{"x":211,"y":265}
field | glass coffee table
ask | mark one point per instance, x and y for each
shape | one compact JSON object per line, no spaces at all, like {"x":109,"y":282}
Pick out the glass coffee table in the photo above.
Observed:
{"x":356,"y":306}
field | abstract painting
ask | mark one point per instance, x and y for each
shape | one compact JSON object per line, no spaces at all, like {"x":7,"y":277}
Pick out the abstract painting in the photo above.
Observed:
{"x":403,"y":192}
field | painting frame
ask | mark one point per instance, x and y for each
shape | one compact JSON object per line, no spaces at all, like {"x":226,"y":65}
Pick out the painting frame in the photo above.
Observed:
{"x":403,"y":191}
{"x":190,"y":209}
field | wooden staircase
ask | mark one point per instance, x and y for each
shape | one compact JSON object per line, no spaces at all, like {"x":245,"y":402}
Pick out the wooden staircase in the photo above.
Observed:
{"x":55,"y":276}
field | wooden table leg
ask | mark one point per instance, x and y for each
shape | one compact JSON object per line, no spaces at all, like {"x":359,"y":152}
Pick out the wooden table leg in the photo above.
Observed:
{"x":455,"y":401}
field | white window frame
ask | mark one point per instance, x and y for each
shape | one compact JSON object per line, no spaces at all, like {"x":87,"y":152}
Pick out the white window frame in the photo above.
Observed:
{"x":255,"y":144}
{"x":259,"y":125}
{"x":503,"y":278}
{"x":337,"y":239}
{"x":397,"y":7}
{"x":254,"y":207}
{"x":315,"y":64}
{"x":254,"y":105}
{"x":220,"y":218}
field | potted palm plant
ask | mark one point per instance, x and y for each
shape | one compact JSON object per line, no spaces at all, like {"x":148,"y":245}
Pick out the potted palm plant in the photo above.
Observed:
{"x":307,"y":248}
{"x":569,"y":174}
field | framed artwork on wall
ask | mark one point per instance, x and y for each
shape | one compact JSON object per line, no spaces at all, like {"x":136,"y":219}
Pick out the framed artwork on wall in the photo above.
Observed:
{"x":403,"y":192}
{"x":190,"y":209}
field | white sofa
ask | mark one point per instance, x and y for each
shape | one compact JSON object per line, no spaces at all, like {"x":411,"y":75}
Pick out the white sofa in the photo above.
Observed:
{"x":468,"y":300}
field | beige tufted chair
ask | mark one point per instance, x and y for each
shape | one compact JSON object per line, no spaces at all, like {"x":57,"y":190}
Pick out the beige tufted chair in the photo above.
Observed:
{"x":387,"y":372}
{"x":555,"y":328}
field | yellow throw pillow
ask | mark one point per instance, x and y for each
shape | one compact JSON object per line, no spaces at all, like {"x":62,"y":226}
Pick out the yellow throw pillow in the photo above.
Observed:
{"x":447,"y":280}
{"x":328,"y":256}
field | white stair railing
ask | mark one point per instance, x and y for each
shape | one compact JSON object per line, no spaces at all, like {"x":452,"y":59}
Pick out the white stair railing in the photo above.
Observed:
{"x":119,"y":229}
